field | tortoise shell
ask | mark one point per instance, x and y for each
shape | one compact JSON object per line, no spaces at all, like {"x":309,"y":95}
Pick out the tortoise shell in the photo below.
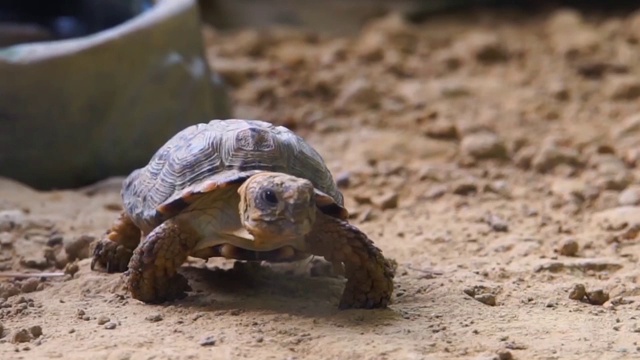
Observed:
{"x":208,"y":156}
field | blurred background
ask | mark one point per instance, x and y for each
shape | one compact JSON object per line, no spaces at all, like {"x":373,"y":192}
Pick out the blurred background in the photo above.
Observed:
{"x":89,"y":89}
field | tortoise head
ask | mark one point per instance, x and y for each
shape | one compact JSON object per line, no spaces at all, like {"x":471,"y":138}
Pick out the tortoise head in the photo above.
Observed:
{"x":276,"y":206}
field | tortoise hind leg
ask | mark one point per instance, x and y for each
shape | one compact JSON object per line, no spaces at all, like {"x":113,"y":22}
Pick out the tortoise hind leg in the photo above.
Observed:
{"x":153,"y":270}
{"x":114,"y":250}
{"x":369,"y":275}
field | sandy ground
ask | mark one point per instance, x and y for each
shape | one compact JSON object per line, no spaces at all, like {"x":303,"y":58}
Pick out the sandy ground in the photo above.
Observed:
{"x":495,"y":157}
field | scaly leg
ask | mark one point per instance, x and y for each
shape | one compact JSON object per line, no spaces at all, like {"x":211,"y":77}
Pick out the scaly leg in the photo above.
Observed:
{"x":153,"y":270}
{"x":369,"y":275}
{"x":114,"y":250}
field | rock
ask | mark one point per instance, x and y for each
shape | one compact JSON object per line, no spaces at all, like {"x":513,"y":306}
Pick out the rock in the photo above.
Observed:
{"x":627,"y":132}
{"x":597,"y":297}
{"x":358,"y":92}
{"x":570,"y":35}
{"x":630,"y":196}
{"x":612,"y":172}
{"x":386,"y":201}
{"x":102,"y":319}
{"x":208,"y":341}
{"x":442,"y":130}
{"x":343,"y":179}
{"x":622,"y":87}
{"x":21,"y":336}
{"x":485,"y":47}
{"x":36,"y":331}
{"x":497,"y":223}
{"x":11,"y":220}
{"x":568,"y":247}
{"x":30,"y":285}
{"x":78,"y":248}
{"x":154,"y":318}
{"x":110,"y":325}
{"x":504,"y":355}
{"x":35,"y":262}
{"x":483,"y":145}
{"x":8,"y":290}
{"x":551,"y":155}
{"x":436,"y":192}
{"x":487,"y":299}
{"x":465,"y":187}
{"x":578,"y":292}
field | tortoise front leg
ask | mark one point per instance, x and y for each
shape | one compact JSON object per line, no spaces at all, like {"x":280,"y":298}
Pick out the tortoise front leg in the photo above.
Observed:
{"x":114,"y":250}
{"x":369,"y":275}
{"x":153,"y":270}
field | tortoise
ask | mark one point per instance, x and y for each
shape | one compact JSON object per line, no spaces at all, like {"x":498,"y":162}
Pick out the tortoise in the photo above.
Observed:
{"x":239,"y":189}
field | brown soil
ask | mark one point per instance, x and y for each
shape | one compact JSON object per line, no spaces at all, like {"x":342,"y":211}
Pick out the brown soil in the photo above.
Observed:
{"x":495,"y":157}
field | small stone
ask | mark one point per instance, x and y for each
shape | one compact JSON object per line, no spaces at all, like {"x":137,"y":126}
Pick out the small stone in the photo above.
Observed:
{"x":436,"y":192}
{"x":110,"y":325}
{"x":630,"y":196}
{"x":485,"y":47}
{"x":597,"y":297}
{"x":483,"y":145}
{"x":497,"y":223}
{"x":465,"y":187}
{"x":551,"y":155}
{"x":30,"y":285}
{"x":71,"y":268}
{"x":343,"y":180}
{"x":578,"y":292}
{"x":35,"y":262}
{"x":208,"y":341}
{"x":629,"y":128}
{"x":21,"y":336}
{"x":78,"y":248}
{"x":487,"y":299}
{"x":386,"y":201}
{"x":154,"y":318}
{"x":103,"y":320}
{"x":442,"y":130}
{"x":36,"y":331}
{"x":8,"y":290}
{"x":568,"y":247}
{"x":504,"y":355}
{"x":623,"y":87}
{"x":358,"y":92}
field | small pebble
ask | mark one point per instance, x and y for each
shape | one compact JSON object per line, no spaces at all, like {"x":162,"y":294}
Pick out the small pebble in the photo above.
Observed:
{"x":30,"y":285}
{"x":497,"y":223}
{"x":208,"y":341}
{"x":597,"y":297}
{"x":21,"y":336}
{"x":78,"y":248}
{"x":465,"y":187}
{"x":343,"y":180}
{"x":630,"y":196}
{"x":487,"y":299}
{"x":154,"y":318}
{"x":568,"y":247}
{"x":504,"y":355}
{"x":36,"y":331}
{"x":110,"y":325}
{"x":386,"y":201}
{"x":103,"y":320}
{"x":483,"y":145}
{"x":578,"y":292}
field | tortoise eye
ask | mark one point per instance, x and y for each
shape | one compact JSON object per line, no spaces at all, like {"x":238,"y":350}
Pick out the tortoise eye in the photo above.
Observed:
{"x":270,"y":197}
